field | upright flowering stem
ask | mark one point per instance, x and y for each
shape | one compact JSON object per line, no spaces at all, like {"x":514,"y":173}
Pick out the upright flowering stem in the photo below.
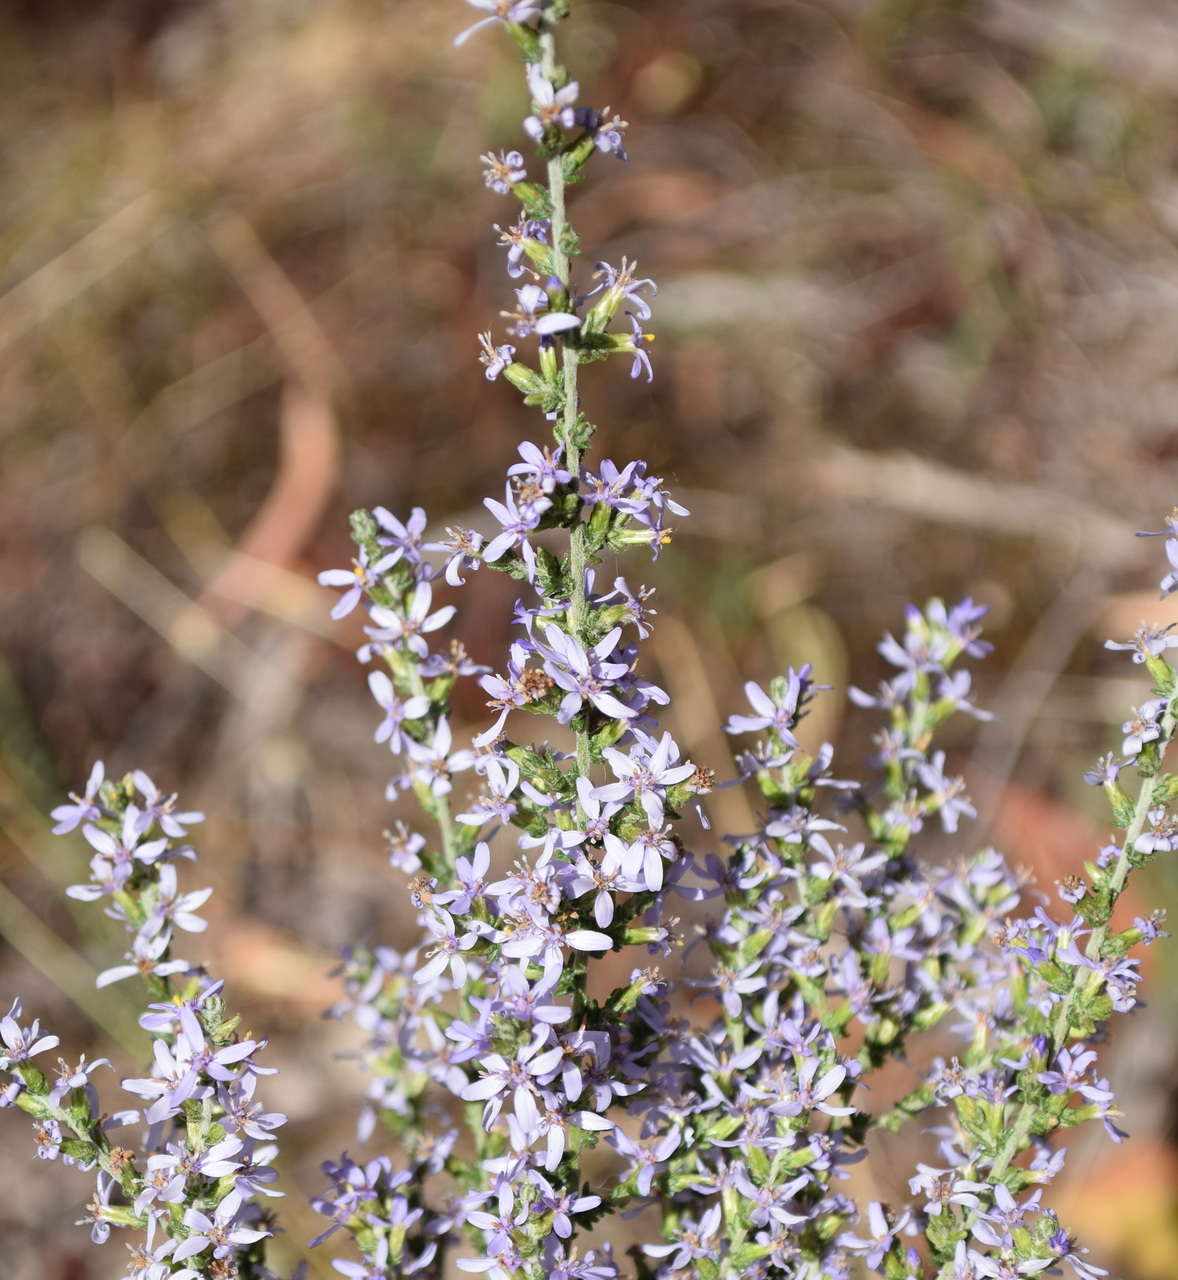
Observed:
{"x":442,"y":813}
{"x":570,"y":407}
{"x":735,"y":1117}
{"x":1062,"y":1026}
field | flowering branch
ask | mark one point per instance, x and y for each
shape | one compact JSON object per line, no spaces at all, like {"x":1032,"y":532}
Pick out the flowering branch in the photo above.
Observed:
{"x":830,"y":944}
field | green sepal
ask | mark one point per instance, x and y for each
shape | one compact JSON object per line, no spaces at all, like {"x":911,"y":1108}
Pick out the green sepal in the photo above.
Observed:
{"x":85,"y":1153}
{"x":33,"y":1077}
{"x":930,"y":1016}
{"x":1162,"y":675}
{"x":744,"y":1255}
{"x":121,"y":1215}
{"x":363,"y":527}
{"x":578,"y":434}
{"x":570,"y":242}
{"x":527,"y":38}
{"x":526,"y":380}
{"x":758,"y":1163}
{"x":623,"y":1000}
{"x":535,"y":199}
{"x":1095,"y":907}
{"x":574,"y":159}
{"x":822,"y":920}
{"x":33,"y":1105}
{"x":549,"y":578}
{"x":1148,"y":761}
{"x":1121,"y":805}
{"x":752,"y":946}
{"x":606,"y":736}
{"x":972,"y":1115}
{"x":796,"y":1159}
{"x":537,"y":769}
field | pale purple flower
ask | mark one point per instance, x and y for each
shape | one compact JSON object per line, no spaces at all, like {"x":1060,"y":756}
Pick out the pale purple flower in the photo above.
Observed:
{"x":158,"y":807}
{"x":1107,"y":769}
{"x":242,"y":1113}
{"x":533,"y":315}
{"x":603,"y":880}
{"x":1143,"y":727}
{"x":809,"y":1092}
{"x":146,"y":959}
{"x":1148,"y":641}
{"x":22,"y":1043}
{"x":96,"y":1209}
{"x":502,"y":170}
{"x":84,"y":807}
{"x":218,"y":1064}
{"x":1162,"y":837}
{"x":494,"y":359}
{"x":941,"y":1187}
{"x":405,"y":540}
{"x":360,"y":578}
{"x":641,"y":860}
{"x":544,"y":943}
{"x":517,"y":519}
{"x":169,"y":1171}
{"x":409,"y":628}
{"x":173,"y":1081}
{"x":521,"y":240}
{"x":552,"y":106}
{"x":221,"y":1231}
{"x":174,"y":907}
{"x":779,"y":717}
{"x":609,"y":486}
{"x":695,"y":1240}
{"x":649,"y":767}
{"x":463,"y":548}
{"x":396,"y":711}
{"x":541,"y":466}
{"x":769,"y":1201}
{"x":495,"y":802}
{"x":1063,"y":1246}
{"x":638,"y":613}
{"x":619,"y":285}
{"x":882,"y":1234}
{"x":447,"y":950}
{"x":1170,"y":582}
{"x":69,"y":1078}
{"x":946,"y":794}
{"x":520,"y":1076}
{"x":119,"y":854}
{"x":517,"y":11}
{"x":584,"y":673}
{"x":432,"y":763}
{"x":608,"y":130}
{"x":563,"y":1205}
{"x":639,"y":342}
{"x":647,"y":1160}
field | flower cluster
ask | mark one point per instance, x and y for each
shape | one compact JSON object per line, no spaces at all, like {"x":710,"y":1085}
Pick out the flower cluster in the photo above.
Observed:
{"x":192,"y":1188}
{"x":607,"y":1009}
{"x":832,"y":944}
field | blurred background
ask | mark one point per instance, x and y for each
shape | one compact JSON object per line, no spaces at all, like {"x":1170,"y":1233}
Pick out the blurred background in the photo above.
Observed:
{"x":917,"y":334}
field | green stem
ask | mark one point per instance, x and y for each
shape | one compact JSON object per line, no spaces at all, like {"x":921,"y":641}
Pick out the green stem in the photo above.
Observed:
{"x":1062,"y":1025}
{"x":441,"y":803}
{"x":578,"y":553}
